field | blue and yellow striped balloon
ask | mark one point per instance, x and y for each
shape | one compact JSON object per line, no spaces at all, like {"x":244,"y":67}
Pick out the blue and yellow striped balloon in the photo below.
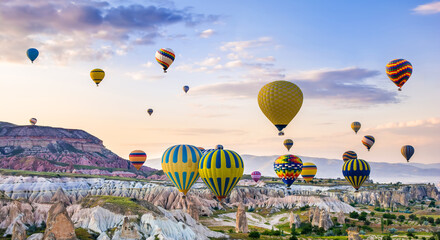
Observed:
{"x":308,"y":171}
{"x":221,"y":170}
{"x":407,"y":151}
{"x":180,"y":163}
{"x":356,"y":171}
{"x":349,"y":155}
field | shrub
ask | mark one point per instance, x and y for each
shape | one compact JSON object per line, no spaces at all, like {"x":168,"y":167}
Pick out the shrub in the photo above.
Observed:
{"x":254,"y":235}
{"x":401,"y":218}
{"x":372,"y":213}
{"x":430,"y":220}
{"x":413,"y":217}
{"x":392,"y":230}
{"x":387,"y":237}
{"x":354,"y":214}
{"x":432,"y":204}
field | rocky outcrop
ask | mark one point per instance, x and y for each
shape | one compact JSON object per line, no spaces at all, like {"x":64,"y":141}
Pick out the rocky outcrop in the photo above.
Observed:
{"x":193,"y":209}
{"x":294,"y":220}
{"x":340,"y":216}
{"x":58,"y":225}
{"x":60,"y":196}
{"x":353,"y":234}
{"x":241,"y":225}
{"x":36,"y":236}
{"x":128,"y":230}
{"x":320,"y":218}
{"x":18,"y":230}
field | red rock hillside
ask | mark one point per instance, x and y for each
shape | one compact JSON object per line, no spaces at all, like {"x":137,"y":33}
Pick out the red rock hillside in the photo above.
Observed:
{"x":41,"y":148}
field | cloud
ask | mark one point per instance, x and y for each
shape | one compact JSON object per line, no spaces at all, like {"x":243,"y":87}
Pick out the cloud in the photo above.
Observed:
{"x":207,"y":33}
{"x":208,"y":64}
{"x":144,"y":76}
{"x":429,"y":8}
{"x":88,"y":25}
{"x":347,"y":86}
{"x":238,"y":46}
{"x":410,"y":124}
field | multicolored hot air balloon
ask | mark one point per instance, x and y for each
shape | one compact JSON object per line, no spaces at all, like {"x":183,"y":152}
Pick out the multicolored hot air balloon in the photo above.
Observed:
{"x":399,"y":71}
{"x":165,"y":57}
{"x":185,"y":89}
{"x":348,"y":155}
{"x":356,"y":171}
{"x":137,"y":158}
{"x":308,"y":171}
{"x":280,"y":101}
{"x":180,"y":163}
{"x":288,"y":143}
{"x":368,"y":141}
{"x":256,"y":175}
{"x":356,"y":126}
{"x":201,"y":149}
{"x":407,"y":151}
{"x":97,"y":75}
{"x":150,"y":111}
{"x":221,"y":170}
{"x":288,"y":168}
{"x":32,"y":54}
{"x":33,"y":121}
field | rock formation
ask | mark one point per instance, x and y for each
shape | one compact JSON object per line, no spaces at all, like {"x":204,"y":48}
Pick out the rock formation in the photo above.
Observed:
{"x":320,"y":218}
{"x":58,"y":225}
{"x":241,"y":220}
{"x":294,"y":220}
{"x":353,"y":234}
{"x":193,"y":209}
{"x":18,"y":230}
{"x":60,"y":196}
{"x":340,"y":218}
{"x":36,"y":236}
{"x":129,"y":230}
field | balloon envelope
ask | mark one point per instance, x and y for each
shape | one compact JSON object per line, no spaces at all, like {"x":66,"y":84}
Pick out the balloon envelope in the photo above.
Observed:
{"x":256,"y":175}
{"x":308,"y":171}
{"x":221,"y":170}
{"x":288,"y":143}
{"x":185,"y":89}
{"x":356,"y":171}
{"x":280,"y":101}
{"x":348,"y":155}
{"x":165,"y":57}
{"x":356,"y":126}
{"x":97,"y":75}
{"x":399,"y":71}
{"x":368,"y":141}
{"x":33,"y":121}
{"x":32,"y":54}
{"x":150,"y":111}
{"x":137,"y":158}
{"x":288,"y":168}
{"x":407,"y":152}
{"x":180,"y":163}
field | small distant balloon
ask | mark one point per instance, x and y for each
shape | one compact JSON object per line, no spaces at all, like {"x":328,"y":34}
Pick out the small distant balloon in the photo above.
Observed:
{"x":407,"y":152}
{"x":219,"y":146}
{"x":368,"y":141}
{"x":33,"y":121}
{"x":256,"y":175}
{"x":165,"y":57}
{"x":150,"y":111}
{"x":137,"y":158}
{"x":288,"y":143}
{"x":185,"y":89}
{"x":32,"y":54}
{"x":399,"y":71}
{"x":356,"y":126}
{"x":348,"y":155}
{"x":97,"y":75}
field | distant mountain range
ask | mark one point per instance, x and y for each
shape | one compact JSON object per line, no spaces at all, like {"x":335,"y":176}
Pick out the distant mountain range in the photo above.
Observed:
{"x":331,"y":168}
{"x":49,"y":149}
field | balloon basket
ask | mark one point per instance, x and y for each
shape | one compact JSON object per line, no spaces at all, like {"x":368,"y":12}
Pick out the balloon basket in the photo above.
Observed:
{"x":399,"y":89}
{"x":280,"y":134}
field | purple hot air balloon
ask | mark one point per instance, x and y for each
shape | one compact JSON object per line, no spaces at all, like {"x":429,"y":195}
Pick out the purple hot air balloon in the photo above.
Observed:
{"x":256,"y":175}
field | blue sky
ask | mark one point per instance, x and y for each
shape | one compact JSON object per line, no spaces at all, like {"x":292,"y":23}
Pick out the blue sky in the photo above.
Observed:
{"x":335,"y":51}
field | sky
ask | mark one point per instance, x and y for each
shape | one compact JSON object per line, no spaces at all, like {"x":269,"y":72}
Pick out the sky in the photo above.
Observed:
{"x":226,"y":51}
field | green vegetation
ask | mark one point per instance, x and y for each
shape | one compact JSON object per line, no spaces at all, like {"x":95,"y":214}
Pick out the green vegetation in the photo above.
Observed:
{"x":83,"y":234}
{"x":121,"y":205}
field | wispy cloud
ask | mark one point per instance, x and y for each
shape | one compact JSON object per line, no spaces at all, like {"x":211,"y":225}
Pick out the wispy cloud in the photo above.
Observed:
{"x":410,"y":124}
{"x":239,"y":46}
{"x":429,"y":8}
{"x":345,"y":85}
{"x":68,"y":29}
{"x":207,"y":33}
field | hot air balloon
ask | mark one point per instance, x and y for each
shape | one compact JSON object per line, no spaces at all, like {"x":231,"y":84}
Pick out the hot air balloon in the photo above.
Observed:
{"x":308,"y":171}
{"x":348,"y":155}
{"x":399,"y":71}
{"x":165,"y":58}
{"x":407,"y":151}
{"x":219,"y":146}
{"x":137,"y":158}
{"x":180,"y":163}
{"x":150,"y":111}
{"x":356,"y":126}
{"x":32,"y":54}
{"x":97,"y":75}
{"x":288,"y":168}
{"x":256,"y":175}
{"x":33,"y":121}
{"x":368,"y":141}
{"x":280,"y":101}
{"x":356,"y":171}
{"x":185,"y":89}
{"x":288,"y":143}
{"x":201,"y":149}
{"x":221,"y":170}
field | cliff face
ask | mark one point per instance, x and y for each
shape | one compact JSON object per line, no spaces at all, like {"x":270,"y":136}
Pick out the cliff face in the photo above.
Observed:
{"x":40,"y":148}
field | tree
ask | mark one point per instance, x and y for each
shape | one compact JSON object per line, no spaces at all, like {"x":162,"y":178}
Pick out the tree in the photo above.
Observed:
{"x":254,"y":235}
{"x":372,"y":213}
{"x":413,"y":217}
{"x":354,"y":214}
{"x":392,"y":230}
{"x":430,"y":220}
{"x":432,"y":204}
{"x":381,"y":224}
{"x":401,"y":218}
{"x":293,"y":230}
{"x":437,"y":220}
{"x":387,"y":237}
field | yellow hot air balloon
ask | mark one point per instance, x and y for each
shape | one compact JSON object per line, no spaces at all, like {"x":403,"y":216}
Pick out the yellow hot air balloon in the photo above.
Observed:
{"x":356,"y":126}
{"x":97,"y":75}
{"x":221,"y":170}
{"x":181,"y":165}
{"x":308,"y":171}
{"x":288,"y":143}
{"x":280,"y":101}
{"x":137,"y":158}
